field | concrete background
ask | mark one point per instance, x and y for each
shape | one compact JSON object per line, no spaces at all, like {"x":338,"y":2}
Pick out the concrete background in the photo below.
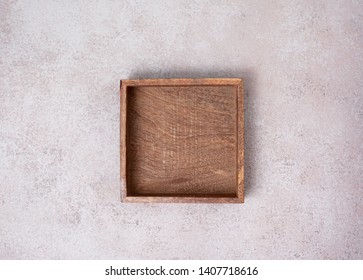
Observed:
{"x":60,"y":65}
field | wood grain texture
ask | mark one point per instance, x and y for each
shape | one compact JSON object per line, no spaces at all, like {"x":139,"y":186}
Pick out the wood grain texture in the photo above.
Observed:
{"x":182,"y":140}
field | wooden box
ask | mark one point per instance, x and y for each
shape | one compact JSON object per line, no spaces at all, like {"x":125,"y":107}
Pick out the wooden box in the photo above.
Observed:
{"x":182,"y":140}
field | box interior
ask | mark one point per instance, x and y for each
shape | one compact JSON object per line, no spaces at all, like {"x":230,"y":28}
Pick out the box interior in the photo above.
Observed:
{"x":181,"y":141}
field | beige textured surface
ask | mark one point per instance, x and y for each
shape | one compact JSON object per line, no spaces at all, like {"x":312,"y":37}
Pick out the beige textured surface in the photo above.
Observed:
{"x":60,"y":62}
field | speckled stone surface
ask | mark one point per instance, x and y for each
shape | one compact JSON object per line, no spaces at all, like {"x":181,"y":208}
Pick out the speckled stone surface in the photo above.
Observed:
{"x":60,"y":65}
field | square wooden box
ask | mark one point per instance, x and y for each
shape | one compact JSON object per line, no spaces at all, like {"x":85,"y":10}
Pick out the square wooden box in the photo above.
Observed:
{"x":182,"y":140}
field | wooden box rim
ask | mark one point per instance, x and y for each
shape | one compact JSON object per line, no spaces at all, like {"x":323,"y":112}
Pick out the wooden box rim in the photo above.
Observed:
{"x":238,"y":83}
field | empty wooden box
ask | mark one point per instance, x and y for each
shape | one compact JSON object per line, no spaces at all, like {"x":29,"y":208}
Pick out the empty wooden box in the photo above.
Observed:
{"x":182,"y":140}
